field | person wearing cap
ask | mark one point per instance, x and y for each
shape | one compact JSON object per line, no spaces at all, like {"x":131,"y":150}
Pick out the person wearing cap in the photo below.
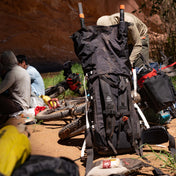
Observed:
{"x":37,"y":84}
{"x":15,"y":87}
{"x":138,"y":39}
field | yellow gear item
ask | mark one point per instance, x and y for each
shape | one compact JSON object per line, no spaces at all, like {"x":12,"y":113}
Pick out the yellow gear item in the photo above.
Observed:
{"x":46,"y":98}
{"x":14,"y":149}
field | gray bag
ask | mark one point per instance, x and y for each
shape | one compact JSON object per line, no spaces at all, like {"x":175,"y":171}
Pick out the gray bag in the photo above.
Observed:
{"x":124,"y":167}
{"x":36,"y":101}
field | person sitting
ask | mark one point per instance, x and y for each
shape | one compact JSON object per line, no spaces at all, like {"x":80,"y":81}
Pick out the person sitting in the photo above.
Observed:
{"x":15,"y":87}
{"x":138,"y":39}
{"x":37,"y":84}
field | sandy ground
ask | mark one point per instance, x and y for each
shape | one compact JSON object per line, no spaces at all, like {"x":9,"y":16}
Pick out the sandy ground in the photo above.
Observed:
{"x":45,"y":141}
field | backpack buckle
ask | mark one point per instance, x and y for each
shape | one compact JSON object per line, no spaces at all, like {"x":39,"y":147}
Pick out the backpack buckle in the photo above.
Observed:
{"x":124,"y":118}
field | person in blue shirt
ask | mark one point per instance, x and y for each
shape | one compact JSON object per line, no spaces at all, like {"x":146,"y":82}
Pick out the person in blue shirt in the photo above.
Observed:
{"x":37,"y":84}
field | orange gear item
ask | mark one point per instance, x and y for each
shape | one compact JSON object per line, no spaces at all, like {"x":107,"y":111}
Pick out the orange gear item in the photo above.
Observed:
{"x":122,"y":6}
{"x":81,"y":15}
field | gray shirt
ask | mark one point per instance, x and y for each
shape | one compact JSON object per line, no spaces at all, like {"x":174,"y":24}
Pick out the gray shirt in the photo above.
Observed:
{"x":16,"y":81}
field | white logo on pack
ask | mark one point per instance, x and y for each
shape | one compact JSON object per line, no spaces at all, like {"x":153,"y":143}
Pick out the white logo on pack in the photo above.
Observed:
{"x":108,"y":99}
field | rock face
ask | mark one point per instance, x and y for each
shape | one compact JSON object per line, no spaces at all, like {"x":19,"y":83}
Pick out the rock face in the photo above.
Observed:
{"x":41,"y":29}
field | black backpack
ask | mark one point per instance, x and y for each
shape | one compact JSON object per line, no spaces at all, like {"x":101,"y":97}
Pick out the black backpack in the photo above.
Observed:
{"x":113,"y":125}
{"x":114,"y":122}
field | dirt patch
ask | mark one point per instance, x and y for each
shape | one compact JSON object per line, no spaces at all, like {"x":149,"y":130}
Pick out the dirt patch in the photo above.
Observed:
{"x":45,"y":141}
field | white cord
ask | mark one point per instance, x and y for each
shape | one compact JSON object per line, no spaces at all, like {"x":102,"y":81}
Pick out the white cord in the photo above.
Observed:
{"x":142,"y":115}
{"x":83,"y":148}
{"x":135,"y":104}
{"x":87,"y":122}
{"x":135,"y":82}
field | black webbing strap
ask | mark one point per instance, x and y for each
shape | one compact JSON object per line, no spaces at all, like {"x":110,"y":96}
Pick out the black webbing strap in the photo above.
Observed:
{"x":135,"y":126}
{"x":109,"y":112}
{"x":124,"y":91}
{"x":109,"y":81}
{"x":172,"y":146}
{"x":156,"y":171}
{"x":90,"y":158}
{"x":89,"y":150}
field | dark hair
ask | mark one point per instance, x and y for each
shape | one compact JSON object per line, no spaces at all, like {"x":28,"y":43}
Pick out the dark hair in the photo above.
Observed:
{"x":22,"y":58}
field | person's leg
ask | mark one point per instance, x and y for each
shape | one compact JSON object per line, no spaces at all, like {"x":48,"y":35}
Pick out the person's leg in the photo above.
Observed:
{"x":145,"y":49}
{"x":8,"y":106}
{"x":143,"y":57}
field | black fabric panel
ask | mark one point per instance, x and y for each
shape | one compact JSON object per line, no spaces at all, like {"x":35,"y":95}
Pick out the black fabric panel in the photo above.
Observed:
{"x":40,"y":165}
{"x":160,"y":91}
{"x":100,"y":50}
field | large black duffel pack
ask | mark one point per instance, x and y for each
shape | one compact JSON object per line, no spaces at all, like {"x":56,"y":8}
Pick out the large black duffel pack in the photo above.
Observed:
{"x":156,"y":88}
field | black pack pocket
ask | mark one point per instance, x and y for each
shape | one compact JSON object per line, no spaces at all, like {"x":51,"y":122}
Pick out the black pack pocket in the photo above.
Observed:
{"x":40,"y":165}
{"x":160,"y":91}
{"x":124,"y":145}
{"x":155,"y":135}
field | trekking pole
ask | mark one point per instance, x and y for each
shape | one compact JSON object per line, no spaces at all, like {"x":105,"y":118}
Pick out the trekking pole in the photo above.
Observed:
{"x":87,"y":121}
{"x":122,"y":26}
{"x":142,"y":116}
{"x":81,"y":14}
{"x":135,"y":104}
{"x":122,"y":8}
{"x":135,"y":82}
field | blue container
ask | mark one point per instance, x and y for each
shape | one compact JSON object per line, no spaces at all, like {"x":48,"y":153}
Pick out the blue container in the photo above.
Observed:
{"x":164,"y":117}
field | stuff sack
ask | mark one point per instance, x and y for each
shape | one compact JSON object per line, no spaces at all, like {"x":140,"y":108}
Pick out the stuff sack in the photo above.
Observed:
{"x":114,"y":123}
{"x":36,"y":101}
{"x":158,"y":89}
{"x":14,"y":149}
{"x":39,"y":165}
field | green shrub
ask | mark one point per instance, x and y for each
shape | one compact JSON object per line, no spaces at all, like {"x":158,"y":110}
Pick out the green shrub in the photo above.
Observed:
{"x":174,"y":81}
{"x":51,"y":79}
{"x":166,"y":158}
